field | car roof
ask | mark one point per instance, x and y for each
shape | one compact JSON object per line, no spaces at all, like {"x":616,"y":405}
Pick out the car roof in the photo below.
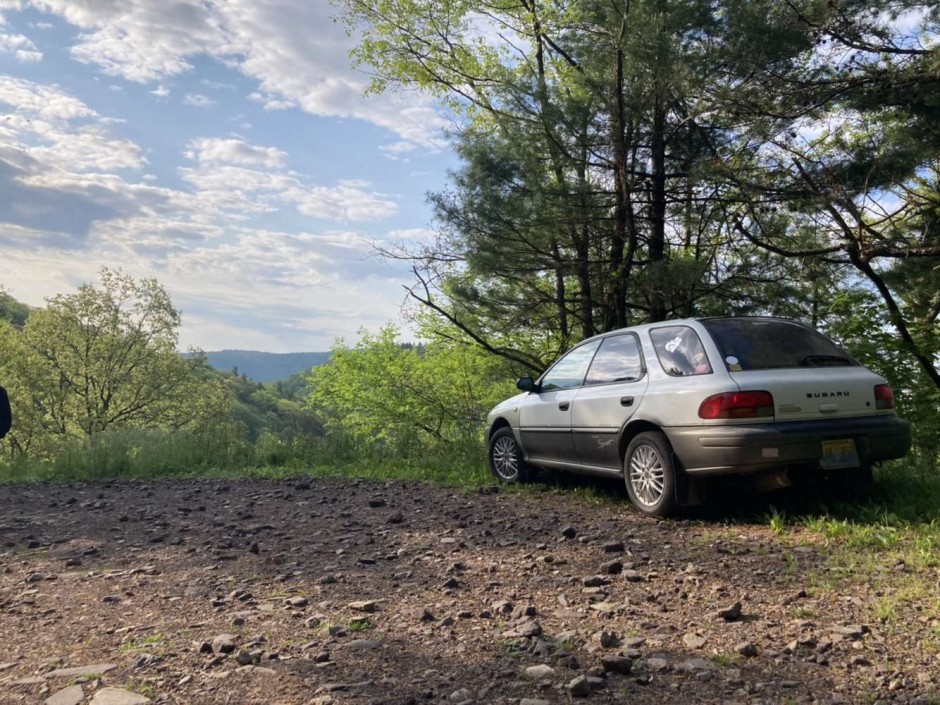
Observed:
{"x":640,"y":327}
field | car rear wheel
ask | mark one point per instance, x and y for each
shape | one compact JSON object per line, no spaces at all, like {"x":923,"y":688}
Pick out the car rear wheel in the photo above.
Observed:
{"x":506,"y":460}
{"x":650,"y":475}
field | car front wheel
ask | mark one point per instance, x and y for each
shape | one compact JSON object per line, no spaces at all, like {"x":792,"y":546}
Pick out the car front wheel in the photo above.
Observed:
{"x":650,"y":475}
{"x":506,"y":460}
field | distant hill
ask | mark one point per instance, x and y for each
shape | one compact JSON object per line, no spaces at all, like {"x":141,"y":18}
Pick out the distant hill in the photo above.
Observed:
{"x":265,"y":366}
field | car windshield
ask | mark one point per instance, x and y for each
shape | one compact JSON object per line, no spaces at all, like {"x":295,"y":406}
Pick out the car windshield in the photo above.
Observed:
{"x":768,"y":344}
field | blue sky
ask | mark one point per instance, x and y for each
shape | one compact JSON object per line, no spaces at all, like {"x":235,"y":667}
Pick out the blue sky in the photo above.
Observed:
{"x":224,"y":148}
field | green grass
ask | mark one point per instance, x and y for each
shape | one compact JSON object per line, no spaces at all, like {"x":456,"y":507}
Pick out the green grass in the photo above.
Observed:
{"x":153,"y":455}
{"x":361,"y":624}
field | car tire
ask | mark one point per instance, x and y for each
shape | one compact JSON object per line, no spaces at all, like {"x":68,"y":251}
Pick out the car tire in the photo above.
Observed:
{"x":506,"y":461}
{"x":649,"y":472}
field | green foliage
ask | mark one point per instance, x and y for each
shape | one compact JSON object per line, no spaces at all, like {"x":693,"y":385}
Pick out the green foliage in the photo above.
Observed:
{"x":647,"y":160}
{"x":263,"y":409}
{"x":12,"y":310}
{"x":103,"y":358}
{"x":855,"y":317}
{"x":380,"y":393}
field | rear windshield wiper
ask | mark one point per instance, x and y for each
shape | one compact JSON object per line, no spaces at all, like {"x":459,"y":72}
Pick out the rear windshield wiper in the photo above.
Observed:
{"x":824,"y":361}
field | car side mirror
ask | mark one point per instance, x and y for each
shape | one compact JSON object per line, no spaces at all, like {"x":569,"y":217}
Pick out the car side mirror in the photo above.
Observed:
{"x":526,"y":384}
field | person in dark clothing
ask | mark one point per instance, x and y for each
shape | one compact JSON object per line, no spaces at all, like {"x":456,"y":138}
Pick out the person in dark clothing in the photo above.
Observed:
{"x":6,"y":416}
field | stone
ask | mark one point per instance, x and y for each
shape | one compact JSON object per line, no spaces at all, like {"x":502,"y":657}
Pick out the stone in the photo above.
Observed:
{"x":504,"y":607}
{"x":694,"y":665}
{"x":614,"y":547}
{"x":617,"y":664}
{"x":611,"y":568}
{"x":376,"y":502}
{"x":72,"y":695}
{"x":367,"y":606}
{"x":118,"y":696}
{"x":730,"y":614}
{"x":569,"y":532}
{"x":223,"y":644}
{"x":694,"y":641}
{"x":595,"y":581}
{"x":848,"y":631}
{"x":540,"y":672}
{"x":579,"y":687}
{"x":746,"y":648}
{"x":533,"y":701}
{"x":91,"y":670}
{"x":363,"y":645}
{"x":608,"y":639}
{"x":297,"y":601}
{"x":526,"y":629}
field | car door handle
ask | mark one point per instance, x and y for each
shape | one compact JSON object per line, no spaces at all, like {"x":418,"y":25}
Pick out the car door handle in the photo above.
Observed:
{"x":626,"y":401}
{"x":564,"y":405}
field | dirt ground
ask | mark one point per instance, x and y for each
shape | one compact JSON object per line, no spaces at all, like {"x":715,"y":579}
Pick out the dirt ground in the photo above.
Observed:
{"x":328,"y":591}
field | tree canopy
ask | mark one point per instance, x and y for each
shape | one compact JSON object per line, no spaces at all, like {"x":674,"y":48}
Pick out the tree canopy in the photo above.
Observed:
{"x":103,"y":358}
{"x":648,"y":159}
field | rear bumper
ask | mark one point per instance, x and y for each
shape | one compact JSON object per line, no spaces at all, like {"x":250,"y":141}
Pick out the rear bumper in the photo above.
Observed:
{"x":731,"y":450}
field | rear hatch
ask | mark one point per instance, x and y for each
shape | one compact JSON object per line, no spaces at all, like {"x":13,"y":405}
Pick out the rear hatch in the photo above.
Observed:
{"x":809,"y":376}
{"x":814,"y":393}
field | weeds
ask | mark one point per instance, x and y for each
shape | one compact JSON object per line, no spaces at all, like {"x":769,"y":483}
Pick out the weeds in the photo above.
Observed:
{"x":777,"y":521}
{"x":362,"y":624}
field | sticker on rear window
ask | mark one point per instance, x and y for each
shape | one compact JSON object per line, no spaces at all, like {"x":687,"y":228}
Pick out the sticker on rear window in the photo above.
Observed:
{"x":673,"y":344}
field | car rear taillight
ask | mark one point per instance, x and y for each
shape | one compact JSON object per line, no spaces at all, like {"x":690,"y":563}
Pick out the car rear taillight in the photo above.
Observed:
{"x":737,"y":405}
{"x":884,"y":397}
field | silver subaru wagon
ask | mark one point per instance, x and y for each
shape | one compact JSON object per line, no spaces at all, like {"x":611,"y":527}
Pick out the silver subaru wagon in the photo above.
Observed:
{"x":666,"y":405}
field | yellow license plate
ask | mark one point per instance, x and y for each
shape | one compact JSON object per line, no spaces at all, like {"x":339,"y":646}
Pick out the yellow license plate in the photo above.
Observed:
{"x":839,"y":454}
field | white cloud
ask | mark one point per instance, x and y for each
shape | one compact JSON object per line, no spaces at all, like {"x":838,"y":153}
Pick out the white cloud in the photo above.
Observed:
{"x":161,"y":91}
{"x":45,"y":102}
{"x":234,"y":151}
{"x":234,"y":190}
{"x":396,"y":149}
{"x":21,"y":47}
{"x":294,"y":50}
{"x":347,"y":202}
{"x":198,"y":100}
{"x":50,"y":134}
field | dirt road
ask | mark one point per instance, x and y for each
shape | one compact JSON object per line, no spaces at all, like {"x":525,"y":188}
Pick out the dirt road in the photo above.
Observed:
{"x":327,"y":591}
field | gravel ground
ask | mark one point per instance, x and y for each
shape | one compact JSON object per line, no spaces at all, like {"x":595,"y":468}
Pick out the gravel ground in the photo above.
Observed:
{"x":330,"y":591}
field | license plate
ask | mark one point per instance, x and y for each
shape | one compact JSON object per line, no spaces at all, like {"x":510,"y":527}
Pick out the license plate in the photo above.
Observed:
{"x":839,"y":454}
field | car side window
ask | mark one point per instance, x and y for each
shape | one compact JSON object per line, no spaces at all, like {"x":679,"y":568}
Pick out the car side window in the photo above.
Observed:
{"x":680,"y":351}
{"x":618,"y":360}
{"x":569,"y":371}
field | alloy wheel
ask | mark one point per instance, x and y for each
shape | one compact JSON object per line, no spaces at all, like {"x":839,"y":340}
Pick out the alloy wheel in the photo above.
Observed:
{"x":647,"y":475}
{"x":505,"y":456}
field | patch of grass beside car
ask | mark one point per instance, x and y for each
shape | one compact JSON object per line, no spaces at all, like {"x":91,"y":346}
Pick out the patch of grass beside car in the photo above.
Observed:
{"x":155,"y":455}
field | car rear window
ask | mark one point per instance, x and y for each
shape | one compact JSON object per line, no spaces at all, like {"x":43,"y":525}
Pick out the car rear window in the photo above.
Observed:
{"x":761,"y":344}
{"x":680,"y":351}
